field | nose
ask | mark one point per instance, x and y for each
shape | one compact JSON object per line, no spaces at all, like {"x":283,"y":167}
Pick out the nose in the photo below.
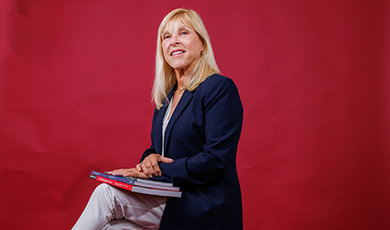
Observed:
{"x":175,"y":40}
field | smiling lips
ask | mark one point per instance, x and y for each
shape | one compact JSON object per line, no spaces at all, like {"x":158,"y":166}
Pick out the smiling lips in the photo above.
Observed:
{"x":176,"y":52}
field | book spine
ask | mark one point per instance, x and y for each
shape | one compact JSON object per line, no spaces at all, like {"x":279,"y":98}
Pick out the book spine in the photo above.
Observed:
{"x":112,"y":177}
{"x":153,"y":182}
{"x":157,"y":192}
{"x":114,"y":183}
{"x":154,"y":186}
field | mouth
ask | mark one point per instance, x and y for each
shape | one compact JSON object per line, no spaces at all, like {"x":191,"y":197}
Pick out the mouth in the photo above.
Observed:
{"x":177,"y":52}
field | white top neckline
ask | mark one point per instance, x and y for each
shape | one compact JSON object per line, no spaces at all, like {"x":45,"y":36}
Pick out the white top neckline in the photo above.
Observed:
{"x":165,"y":124}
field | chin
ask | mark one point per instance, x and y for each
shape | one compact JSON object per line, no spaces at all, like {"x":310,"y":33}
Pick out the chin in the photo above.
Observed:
{"x":177,"y":65}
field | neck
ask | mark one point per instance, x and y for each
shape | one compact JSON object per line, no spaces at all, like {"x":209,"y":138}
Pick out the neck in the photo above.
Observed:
{"x":181,"y":79}
{"x":183,"y":74}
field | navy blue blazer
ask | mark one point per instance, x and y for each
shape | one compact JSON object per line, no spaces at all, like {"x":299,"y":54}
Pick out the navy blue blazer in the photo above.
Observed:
{"x":202,"y":137}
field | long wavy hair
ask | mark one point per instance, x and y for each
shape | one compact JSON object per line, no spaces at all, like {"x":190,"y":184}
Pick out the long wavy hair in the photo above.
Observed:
{"x":165,"y":78}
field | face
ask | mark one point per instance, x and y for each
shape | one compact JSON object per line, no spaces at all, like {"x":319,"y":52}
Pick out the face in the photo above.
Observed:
{"x":181,"y":46}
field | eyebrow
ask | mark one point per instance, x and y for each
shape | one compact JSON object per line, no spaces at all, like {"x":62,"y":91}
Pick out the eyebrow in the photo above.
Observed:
{"x":180,"y":28}
{"x":184,"y":27}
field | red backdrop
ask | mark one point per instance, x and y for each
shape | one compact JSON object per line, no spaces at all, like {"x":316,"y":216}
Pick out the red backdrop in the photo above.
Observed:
{"x":75,"y":85}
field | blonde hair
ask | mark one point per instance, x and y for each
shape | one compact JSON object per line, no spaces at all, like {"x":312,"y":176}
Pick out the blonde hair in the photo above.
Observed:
{"x":165,"y":78}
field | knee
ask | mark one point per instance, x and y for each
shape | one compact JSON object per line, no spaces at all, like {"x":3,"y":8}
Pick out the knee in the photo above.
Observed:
{"x":102,"y":189}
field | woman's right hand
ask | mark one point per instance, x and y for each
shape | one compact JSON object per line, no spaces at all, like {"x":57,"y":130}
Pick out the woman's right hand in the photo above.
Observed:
{"x":149,"y":166}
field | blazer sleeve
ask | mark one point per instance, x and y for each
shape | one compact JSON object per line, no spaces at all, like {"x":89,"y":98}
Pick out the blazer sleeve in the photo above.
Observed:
{"x":223,"y":122}
{"x":148,"y":151}
{"x":151,"y":149}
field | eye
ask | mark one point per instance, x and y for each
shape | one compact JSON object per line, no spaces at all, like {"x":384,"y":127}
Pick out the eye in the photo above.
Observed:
{"x":184,"y":32}
{"x":166,"y":36}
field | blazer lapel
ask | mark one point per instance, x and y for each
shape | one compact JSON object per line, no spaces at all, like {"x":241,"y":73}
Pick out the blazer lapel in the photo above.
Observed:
{"x":184,"y":100}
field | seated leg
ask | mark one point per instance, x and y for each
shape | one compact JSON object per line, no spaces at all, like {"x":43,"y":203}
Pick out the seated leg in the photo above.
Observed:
{"x":109,"y":203}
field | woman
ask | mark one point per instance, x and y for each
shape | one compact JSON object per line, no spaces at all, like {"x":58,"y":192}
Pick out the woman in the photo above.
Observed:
{"x":196,"y":128}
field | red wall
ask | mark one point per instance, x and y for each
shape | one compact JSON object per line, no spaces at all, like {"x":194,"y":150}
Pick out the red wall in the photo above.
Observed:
{"x":75,"y":85}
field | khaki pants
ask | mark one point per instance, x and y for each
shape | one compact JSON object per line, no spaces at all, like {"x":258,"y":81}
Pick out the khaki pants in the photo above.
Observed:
{"x":112,"y":208}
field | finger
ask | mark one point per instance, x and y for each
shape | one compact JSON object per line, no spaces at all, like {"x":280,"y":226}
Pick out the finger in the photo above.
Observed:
{"x":156,"y":168}
{"x":150,"y":168}
{"x":119,"y":172}
{"x":113,"y":172}
{"x":128,"y":172}
{"x":150,"y":165}
{"x":145,"y":169}
{"x":138,"y":167}
{"x":135,"y":173}
{"x":166,"y":160}
{"x":141,"y":175}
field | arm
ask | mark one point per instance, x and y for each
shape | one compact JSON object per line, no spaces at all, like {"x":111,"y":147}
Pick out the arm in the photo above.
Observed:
{"x":223,"y":122}
{"x":149,"y":163}
{"x":148,"y":169}
{"x":147,"y":152}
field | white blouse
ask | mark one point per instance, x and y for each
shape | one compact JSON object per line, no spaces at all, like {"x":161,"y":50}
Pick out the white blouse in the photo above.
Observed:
{"x":165,"y":123}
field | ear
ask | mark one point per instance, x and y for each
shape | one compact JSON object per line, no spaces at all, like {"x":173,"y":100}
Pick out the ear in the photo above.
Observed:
{"x":202,"y":49}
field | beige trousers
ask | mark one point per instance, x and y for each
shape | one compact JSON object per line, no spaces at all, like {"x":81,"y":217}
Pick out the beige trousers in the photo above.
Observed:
{"x":112,"y":208}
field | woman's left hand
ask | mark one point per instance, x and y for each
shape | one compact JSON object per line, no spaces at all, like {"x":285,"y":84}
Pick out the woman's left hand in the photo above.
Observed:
{"x":127,"y":172}
{"x":150,"y":166}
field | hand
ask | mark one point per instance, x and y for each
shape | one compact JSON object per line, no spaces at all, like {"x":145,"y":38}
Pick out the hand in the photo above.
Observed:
{"x":149,"y":165}
{"x":128,"y":172}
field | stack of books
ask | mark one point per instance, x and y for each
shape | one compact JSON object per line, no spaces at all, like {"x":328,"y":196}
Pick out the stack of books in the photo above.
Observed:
{"x":138,"y":185}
